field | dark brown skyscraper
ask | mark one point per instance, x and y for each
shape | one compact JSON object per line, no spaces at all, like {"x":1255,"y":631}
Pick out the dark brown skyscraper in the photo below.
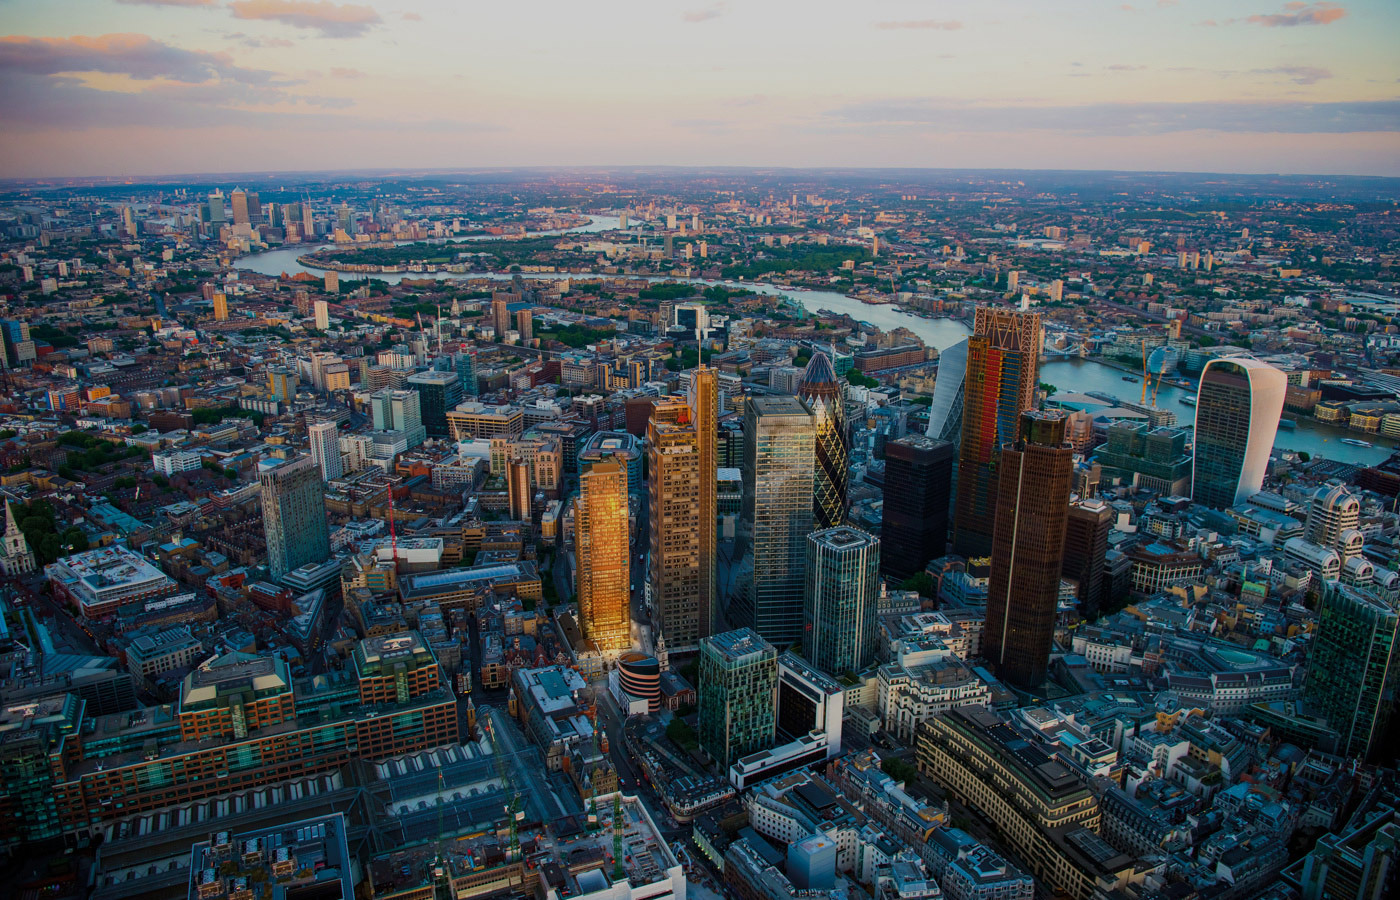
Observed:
{"x":1028,"y":543}
{"x":1003,"y":367}
{"x":821,"y":390}
{"x":1086,"y":544}
{"x":918,"y":473}
{"x":704,"y":409}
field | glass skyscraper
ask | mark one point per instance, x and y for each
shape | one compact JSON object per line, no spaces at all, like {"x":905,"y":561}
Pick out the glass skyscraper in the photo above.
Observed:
{"x":841,"y":600}
{"x":914,"y":527}
{"x":821,"y":390}
{"x":437,"y":393}
{"x":737,"y":694}
{"x":778,"y":472}
{"x":1353,"y":669}
{"x":1023,"y":590}
{"x":393,"y":410}
{"x":604,"y":574}
{"x":1237,"y":412}
{"x":1003,"y":359}
{"x":294,"y":514}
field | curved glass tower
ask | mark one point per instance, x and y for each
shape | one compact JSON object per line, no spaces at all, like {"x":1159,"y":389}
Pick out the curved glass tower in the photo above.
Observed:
{"x":821,"y":390}
{"x":1237,"y":412}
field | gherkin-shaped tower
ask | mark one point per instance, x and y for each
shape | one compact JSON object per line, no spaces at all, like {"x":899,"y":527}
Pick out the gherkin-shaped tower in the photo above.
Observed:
{"x":821,"y":390}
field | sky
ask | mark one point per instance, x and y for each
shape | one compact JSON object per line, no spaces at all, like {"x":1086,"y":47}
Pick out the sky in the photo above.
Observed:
{"x":129,"y":88}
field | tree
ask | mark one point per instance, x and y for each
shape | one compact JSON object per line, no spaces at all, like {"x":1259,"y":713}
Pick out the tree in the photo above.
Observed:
{"x":921,"y":582}
{"x":682,"y":734}
{"x":1048,"y":388}
{"x":899,"y":769}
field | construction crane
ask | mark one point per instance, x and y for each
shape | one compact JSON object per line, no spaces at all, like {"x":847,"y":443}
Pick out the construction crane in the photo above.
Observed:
{"x":442,"y":873}
{"x":617,"y":836}
{"x":1145,"y":377}
{"x":513,"y":811}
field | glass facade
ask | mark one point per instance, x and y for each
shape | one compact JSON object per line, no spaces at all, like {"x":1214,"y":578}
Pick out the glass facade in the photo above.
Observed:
{"x":737,"y":694}
{"x":779,"y":463}
{"x":918,"y":481}
{"x":821,"y":391}
{"x":1352,"y":670}
{"x":294,"y":515}
{"x":1000,"y":383}
{"x":604,"y":576}
{"x":1023,"y":589}
{"x":1237,"y":412}
{"x":841,"y":602}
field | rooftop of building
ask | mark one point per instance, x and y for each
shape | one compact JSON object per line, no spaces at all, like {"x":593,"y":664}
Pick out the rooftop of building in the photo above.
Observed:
{"x":110,"y":567}
{"x":736,"y":645}
{"x":234,"y":673}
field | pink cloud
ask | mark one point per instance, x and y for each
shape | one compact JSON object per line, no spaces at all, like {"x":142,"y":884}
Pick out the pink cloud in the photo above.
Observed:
{"x":190,"y":3}
{"x":138,"y":56}
{"x":411,"y":17}
{"x":705,"y":14}
{"x":331,"y":19}
{"x":1297,"y":13}
{"x":338,"y":72}
{"x":919,"y":25}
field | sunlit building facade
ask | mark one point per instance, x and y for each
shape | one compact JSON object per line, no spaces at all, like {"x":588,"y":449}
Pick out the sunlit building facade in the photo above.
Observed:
{"x":601,"y":532}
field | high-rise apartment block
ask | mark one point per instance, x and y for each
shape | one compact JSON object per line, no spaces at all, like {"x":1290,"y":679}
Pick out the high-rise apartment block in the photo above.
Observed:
{"x":1237,"y":412}
{"x":1023,"y":590}
{"x":675,"y":521}
{"x":918,"y":484}
{"x":778,"y":472}
{"x":704,"y":410}
{"x":841,"y":634}
{"x":737,"y":694}
{"x":294,"y":514}
{"x":1001,"y":381}
{"x":602,"y":551}
{"x":393,"y":410}
{"x":324,"y":438}
{"x":322,"y":311}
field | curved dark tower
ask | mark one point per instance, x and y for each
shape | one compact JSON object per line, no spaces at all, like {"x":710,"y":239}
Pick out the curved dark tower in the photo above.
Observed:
{"x":820,"y":389}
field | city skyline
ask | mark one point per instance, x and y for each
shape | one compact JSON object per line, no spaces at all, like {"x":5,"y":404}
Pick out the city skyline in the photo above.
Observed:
{"x":296,"y":86}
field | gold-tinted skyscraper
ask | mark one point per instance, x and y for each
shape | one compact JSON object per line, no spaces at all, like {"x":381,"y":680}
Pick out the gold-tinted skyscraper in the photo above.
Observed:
{"x":1003,"y":369}
{"x":518,"y":489}
{"x":220,"y":306}
{"x":675,"y":523}
{"x":704,"y":408}
{"x":601,"y":530}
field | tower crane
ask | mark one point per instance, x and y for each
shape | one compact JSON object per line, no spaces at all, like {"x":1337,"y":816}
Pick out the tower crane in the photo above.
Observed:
{"x":513,"y":810}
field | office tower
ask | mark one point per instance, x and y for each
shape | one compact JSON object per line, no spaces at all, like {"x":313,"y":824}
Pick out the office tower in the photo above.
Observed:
{"x":841,"y":631}
{"x":464,"y":363}
{"x":294,"y":514}
{"x":343,"y":220}
{"x":1000,"y":383}
{"x":675,"y":521}
{"x":1237,"y":412}
{"x":622,"y":221}
{"x":737,"y":695}
{"x":283,"y":384}
{"x":1334,"y":520}
{"x":668,"y":246}
{"x":821,"y":390}
{"x":1353,"y":668}
{"x":500,"y":312}
{"x":525,"y":324}
{"x":216,"y":208}
{"x":128,"y":222}
{"x":778,"y":471}
{"x":601,"y":532}
{"x":946,"y":411}
{"x":323,"y":314}
{"x":1086,"y":546}
{"x":1146,"y":458}
{"x":704,"y":409}
{"x":1028,"y":548}
{"x":254,"y":205}
{"x":239,"y":201}
{"x":308,"y":221}
{"x":918,"y":480}
{"x":518,"y":489}
{"x":393,"y":410}
{"x":324,"y":438}
{"x":438,"y":392}
{"x":220,"y":307}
